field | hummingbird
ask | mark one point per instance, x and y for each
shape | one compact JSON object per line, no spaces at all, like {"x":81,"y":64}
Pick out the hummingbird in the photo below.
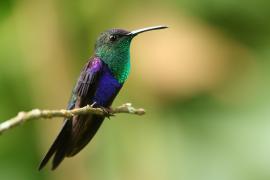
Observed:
{"x":100,"y":80}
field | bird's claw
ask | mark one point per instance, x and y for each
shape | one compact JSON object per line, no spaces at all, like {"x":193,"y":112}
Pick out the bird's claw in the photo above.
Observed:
{"x":107,"y":112}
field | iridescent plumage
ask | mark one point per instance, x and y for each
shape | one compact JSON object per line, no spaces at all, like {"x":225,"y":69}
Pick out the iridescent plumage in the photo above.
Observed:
{"x":100,"y":81}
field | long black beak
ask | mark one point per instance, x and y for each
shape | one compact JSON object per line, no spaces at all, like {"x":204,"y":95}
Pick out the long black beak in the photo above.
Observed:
{"x":138,"y":31}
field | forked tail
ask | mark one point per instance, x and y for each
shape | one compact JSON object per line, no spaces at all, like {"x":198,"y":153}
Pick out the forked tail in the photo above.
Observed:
{"x":59,"y":146}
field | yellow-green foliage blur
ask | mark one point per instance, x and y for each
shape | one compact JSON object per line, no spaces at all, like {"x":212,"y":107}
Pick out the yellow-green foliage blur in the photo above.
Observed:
{"x":204,"y":82}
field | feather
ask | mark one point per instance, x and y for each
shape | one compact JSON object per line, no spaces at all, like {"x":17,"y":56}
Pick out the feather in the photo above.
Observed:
{"x":86,"y":86}
{"x":57,"y":144}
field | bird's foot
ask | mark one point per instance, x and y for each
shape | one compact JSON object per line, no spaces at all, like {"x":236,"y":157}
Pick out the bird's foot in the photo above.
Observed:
{"x":107,"y":112}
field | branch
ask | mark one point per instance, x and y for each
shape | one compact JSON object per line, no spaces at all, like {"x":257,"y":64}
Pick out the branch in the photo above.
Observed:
{"x":48,"y":114}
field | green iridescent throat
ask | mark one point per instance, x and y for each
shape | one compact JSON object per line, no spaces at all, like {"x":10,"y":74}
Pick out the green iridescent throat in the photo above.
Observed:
{"x":117,"y":57}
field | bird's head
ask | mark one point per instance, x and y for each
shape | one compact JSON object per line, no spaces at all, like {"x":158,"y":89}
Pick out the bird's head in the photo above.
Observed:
{"x":113,"y":46}
{"x":116,"y":42}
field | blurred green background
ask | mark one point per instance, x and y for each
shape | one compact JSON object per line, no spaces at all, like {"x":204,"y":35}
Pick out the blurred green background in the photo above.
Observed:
{"x":204,"y":83}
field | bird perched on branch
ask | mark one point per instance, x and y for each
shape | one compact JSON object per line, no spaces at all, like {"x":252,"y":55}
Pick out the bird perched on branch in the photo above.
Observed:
{"x":100,"y":81}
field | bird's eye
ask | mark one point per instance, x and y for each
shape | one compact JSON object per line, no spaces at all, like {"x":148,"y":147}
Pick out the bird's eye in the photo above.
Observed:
{"x":112,"y":38}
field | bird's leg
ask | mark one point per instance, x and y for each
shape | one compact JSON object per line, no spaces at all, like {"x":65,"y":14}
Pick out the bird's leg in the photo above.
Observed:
{"x":107,"y":111}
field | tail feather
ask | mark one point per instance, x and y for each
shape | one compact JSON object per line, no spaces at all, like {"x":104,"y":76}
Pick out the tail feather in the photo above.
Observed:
{"x":58,"y":157}
{"x":58,"y":147}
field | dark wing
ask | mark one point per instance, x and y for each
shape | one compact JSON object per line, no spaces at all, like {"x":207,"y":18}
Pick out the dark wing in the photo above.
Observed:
{"x":86,"y":82}
{"x":85,"y":87}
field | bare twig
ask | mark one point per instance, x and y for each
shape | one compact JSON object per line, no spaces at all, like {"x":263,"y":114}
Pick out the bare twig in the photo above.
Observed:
{"x":47,"y":114}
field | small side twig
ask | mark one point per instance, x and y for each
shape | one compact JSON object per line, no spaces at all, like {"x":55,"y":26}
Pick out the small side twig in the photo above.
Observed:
{"x":48,"y":114}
